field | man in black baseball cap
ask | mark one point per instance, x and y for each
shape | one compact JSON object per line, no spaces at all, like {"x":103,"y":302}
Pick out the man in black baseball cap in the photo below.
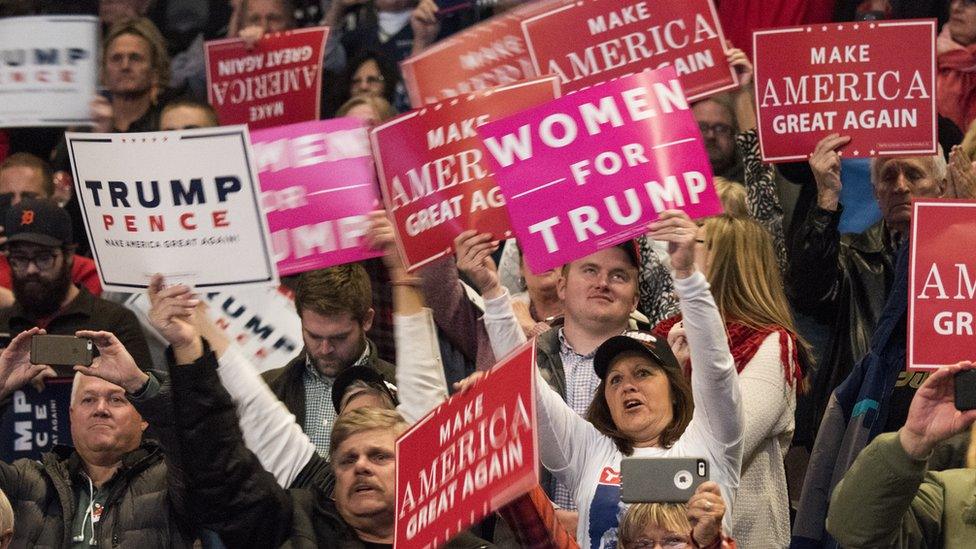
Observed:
{"x":39,"y":249}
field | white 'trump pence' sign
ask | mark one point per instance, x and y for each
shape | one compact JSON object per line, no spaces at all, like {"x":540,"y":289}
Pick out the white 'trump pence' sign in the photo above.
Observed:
{"x":181,"y":203}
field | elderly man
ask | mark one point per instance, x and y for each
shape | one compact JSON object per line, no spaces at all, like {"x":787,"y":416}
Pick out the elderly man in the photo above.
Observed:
{"x":843,"y":281}
{"x":114,"y":489}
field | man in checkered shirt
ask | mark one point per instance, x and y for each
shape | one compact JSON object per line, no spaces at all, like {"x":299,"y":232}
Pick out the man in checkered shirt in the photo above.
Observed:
{"x":335,"y":306}
{"x":599,"y":293}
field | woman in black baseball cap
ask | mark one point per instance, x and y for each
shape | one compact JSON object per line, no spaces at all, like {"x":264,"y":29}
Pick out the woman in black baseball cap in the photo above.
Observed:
{"x":644,"y":406}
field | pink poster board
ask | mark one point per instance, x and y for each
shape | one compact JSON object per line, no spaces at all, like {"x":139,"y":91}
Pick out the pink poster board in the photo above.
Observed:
{"x":317,"y":187}
{"x":591,"y":169}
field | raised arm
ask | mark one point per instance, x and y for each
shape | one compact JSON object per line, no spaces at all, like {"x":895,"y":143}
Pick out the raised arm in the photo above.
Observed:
{"x":421,"y":383}
{"x":714,"y":380}
{"x":657,"y":298}
{"x":886,"y":499}
{"x":268,"y":428}
{"x":762,"y":200}
{"x":814,"y":273}
{"x":454,"y":313}
{"x":228,"y":489}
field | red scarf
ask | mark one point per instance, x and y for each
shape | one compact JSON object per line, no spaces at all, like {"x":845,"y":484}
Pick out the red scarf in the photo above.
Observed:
{"x":744,"y":341}
{"x":956,"y":80}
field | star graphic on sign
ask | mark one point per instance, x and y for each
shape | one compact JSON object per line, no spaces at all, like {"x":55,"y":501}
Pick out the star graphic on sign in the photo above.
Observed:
{"x":872,"y":151}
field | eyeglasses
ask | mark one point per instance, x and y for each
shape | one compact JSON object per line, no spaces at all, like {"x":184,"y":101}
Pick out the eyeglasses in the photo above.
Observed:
{"x":668,"y":542}
{"x":719,"y":130}
{"x":43,"y":262}
{"x":371,"y":80}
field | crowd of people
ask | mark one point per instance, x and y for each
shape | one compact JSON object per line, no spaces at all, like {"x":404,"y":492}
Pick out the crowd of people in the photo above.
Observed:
{"x":751,"y":339}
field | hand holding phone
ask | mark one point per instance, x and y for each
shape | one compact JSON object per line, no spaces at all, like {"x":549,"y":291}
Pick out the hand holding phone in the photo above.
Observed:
{"x":661,"y":480}
{"x":965,"y":390}
{"x":61,"y":352}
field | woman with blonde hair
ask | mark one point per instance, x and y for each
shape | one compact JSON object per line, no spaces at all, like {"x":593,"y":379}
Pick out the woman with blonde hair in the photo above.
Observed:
{"x":697,"y":523}
{"x":736,"y":254}
{"x":371,"y":109}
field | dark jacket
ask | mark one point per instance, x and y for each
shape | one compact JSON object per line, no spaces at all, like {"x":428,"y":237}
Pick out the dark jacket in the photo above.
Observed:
{"x":843,"y":282}
{"x":549,"y":362}
{"x":229,"y":491}
{"x":286,"y":383}
{"x":144,"y":507}
{"x":858,"y":410}
{"x":86,"y":312}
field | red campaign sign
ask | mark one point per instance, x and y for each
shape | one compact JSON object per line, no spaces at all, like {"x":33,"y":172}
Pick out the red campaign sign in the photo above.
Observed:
{"x":873,"y":81}
{"x":470,"y":456}
{"x":433,"y":175}
{"x":942,"y":282}
{"x":589,"y":42}
{"x":277,"y":82}
{"x":491,"y":53}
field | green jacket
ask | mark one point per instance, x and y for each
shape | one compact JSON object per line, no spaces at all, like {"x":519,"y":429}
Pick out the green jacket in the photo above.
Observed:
{"x":888,"y":499}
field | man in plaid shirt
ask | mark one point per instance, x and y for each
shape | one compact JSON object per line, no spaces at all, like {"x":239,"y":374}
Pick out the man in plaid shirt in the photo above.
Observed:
{"x":335,"y":306}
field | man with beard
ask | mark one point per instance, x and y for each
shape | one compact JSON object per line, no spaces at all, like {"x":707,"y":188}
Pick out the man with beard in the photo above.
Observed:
{"x":335,"y":306}
{"x":41,"y":255}
{"x":23,"y":176}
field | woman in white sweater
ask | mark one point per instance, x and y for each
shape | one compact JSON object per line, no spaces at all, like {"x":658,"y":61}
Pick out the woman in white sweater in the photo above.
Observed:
{"x":737,"y":256}
{"x":643,"y":406}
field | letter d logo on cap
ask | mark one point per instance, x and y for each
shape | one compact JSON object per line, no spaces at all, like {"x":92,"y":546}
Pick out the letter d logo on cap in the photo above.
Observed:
{"x":27,"y":217}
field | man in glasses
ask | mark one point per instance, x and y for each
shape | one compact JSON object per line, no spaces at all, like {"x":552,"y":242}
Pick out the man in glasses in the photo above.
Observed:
{"x":40,"y":252}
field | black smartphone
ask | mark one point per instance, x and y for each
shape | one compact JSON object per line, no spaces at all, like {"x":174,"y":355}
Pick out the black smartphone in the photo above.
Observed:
{"x":61,"y":352}
{"x":661,"y":480}
{"x":965,"y":383}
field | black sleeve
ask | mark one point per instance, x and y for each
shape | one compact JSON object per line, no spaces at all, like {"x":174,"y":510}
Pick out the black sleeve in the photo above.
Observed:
{"x":155,"y":404}
{"x":814,"y":274}
{"x":317,"y":473}
{"x":228,"y":490}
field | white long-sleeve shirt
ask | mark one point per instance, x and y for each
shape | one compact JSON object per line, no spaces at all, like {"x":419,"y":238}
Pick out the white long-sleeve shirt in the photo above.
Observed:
{"x":270,"y":430}
{"x":588,"y":462}
{"x":762,"y":515}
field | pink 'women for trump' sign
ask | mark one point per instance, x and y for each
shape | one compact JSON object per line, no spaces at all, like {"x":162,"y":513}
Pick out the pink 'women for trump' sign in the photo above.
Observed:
{"x":317,"y":187}
{"x":590,"y":170}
